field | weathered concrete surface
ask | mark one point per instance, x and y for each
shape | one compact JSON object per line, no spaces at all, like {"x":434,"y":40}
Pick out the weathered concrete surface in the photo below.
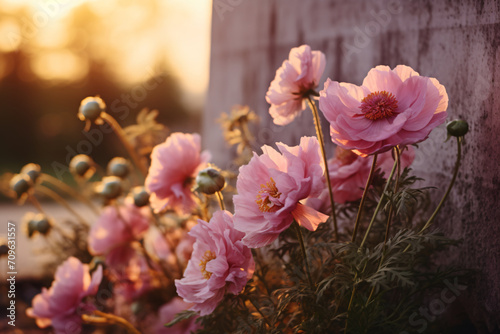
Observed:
{"x":456,"y":42}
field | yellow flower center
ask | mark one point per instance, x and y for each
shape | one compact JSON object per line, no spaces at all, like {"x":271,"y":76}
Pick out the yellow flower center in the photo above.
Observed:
{"x":346,"y":157}
{"x":378,"y":105}
{"x":207,"y":257}
{"x":265,"y":195}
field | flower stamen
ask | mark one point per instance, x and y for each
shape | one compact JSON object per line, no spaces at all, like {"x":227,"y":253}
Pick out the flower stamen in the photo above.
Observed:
{"x":377,"y":105}
{"x":267,"y":191}
{"x":207,"y":257}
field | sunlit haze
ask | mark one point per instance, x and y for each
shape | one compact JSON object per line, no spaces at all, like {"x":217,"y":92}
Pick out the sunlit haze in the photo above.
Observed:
{"x":131,"y":38}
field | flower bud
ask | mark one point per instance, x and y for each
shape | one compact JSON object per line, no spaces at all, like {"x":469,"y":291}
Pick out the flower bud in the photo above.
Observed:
{"x":119,"y":167}
{"x":42,"y":224}
{"x":110,"y":187}
{"x":30,"y":227}
{"x":4,"y":249}
{"x":20,"y":184}
{"x":137,"y":307}
{"x":209,"y":181}
{"x":32,"y":170}
{"x":96,"y":262}
{"x":91,"y":108}
{"x":140,"y":196}
{"x":36,"y":222}
{"x":457,"y":128}
{"x":82,"y":165}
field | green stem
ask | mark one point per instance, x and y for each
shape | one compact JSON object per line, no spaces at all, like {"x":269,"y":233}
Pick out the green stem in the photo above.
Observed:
{"x":350,"y":304}
{"x":455,"y":173}
{"x":67,"y":189}
{"x":55,"y":196}
{"x":319,"y":133}
{"x":123,"y":138}
{"x":389,"y":218}
{"x":304,"y":254}
{"x":221,"y":200}
{"x":258,"y":310}
{"x":396,"y":186}
{"x":365,"y":192}
{"x":379,"y":205}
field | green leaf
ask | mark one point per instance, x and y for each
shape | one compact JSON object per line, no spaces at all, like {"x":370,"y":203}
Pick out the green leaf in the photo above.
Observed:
{"x":181,"y":316}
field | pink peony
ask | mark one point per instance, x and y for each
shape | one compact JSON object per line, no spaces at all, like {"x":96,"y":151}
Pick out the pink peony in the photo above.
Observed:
{"x":220,"y":262}
{"x":294,"y":80}
{"x":174,"y":166}
{"x":117,"y":227}
{"x":132,"y":277}
{"x":392,"y":107}
{"x":349,"y":171}
{"x":271,"y":187}
{"x":167,"y":313}
{"x":62,"y":304}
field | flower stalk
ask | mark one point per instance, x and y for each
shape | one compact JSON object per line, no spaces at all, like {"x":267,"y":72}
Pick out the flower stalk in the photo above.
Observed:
{"x":379,"y":205}
{"x":455,"y":173}
{"x":67,"y":189}
{"x":397,"y":156}
{"x":220,"y":198}
{"x":362,"y":203}
{"x":123,"y":138}
{"x":304,"y":254}
{"x":319,"y":133}
{"x":101,"y":318}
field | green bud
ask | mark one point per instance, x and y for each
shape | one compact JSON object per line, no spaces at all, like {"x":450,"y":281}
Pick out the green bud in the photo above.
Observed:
{"x":32,"y":170}
{"x":4,"y":249}
{"x":119,"y":167}
{"x":457,"y":128}
{"x":82,"y":165}
{"x":31,"y":228}
{"x":36,"y":222}
{"x":209,"y":181}
{"x":20,"y":184}
{"x":42,"y":224}
{"x":91,"y":108}
{"x":140,"y":196}
{"x":110,"y":187}
{"x":137,"y":307}
{"x":96,"y":262}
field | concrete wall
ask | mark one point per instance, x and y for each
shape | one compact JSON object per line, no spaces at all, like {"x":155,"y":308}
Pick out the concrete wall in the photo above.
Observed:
{"x":456,"y":42}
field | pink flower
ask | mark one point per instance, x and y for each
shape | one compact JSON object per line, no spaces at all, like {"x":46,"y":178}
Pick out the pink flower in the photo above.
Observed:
{"x":174,"y":166}
{"x":392,"y":107}
{"x":167,"y":313}
{"x":60,"y":306}
{"x":349,"y":171}
{"x":294,"y":80}
{"x":220,"y":262}
{"x":133,"y":276}
{"x":271,"y":188}
{"x":117,"y":227}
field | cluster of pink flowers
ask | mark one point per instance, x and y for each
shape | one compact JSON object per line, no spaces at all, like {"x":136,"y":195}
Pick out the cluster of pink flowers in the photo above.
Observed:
{"x":220,"y":263}
{"x":62,"y":305}
{"x":115,"y":229}
{"x":271,"y":188}
{"x":392,"y":108}
{"x":174,"y":166}
{"x":349,"y":171}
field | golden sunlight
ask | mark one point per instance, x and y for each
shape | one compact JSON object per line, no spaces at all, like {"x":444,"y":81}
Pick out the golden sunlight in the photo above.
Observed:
{"x":130,"y":39}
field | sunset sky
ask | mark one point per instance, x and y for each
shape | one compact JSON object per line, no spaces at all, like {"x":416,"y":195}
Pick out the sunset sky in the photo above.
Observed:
{"x":131,"y":37}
